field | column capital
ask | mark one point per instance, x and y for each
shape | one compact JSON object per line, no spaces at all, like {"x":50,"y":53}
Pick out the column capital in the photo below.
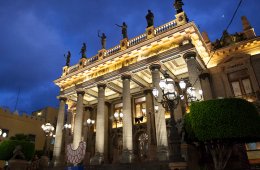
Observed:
{"x":88,"y":108}
{"x":147,"y":91}
{"x":101,"y":85}
{"x":62,"y":98}
{"x":190,"y":55}
{"x":126,"y":76}
{"x":80,"y":91}
{"x":155,"y":66}
{"x":204,"y":75}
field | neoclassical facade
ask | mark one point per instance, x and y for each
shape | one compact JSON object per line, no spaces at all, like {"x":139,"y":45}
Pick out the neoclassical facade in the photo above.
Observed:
{"x":114,"y":88}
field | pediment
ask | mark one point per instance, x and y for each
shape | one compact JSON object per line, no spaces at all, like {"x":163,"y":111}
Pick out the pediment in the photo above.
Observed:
{"x":233,"y":59}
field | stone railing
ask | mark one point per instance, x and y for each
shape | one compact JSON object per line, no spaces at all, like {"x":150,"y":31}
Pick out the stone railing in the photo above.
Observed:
{"x":112,"y":50}
{"x":165,"y":27}
{"x":73,"y":68}
{"x":132,"y":42}
{"x":92,"y":59}
{"x":137,"y":40}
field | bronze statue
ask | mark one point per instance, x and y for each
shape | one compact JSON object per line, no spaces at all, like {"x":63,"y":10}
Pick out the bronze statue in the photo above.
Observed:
{"x":68,"y":59}
{"x":178,"y":6}
{"x":83,"y":50}
{"x":149,"y":18}
{"x":103,"y":40}
{"x":124,"y":29}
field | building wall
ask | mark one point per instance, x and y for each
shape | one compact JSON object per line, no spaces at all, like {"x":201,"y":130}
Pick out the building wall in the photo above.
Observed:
{"x":25,"y":124}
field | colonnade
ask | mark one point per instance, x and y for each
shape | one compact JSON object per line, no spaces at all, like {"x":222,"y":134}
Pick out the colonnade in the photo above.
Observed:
{"x":156,"y":124}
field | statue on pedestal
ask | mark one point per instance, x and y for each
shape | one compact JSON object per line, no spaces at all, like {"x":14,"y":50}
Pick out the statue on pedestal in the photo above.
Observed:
{"x":103,"y":40}
{"x":68,"y":58}
{"x":124,"y":29}
{"x":178,"y":6}
{"x":83,"y":50}
{"x":150,"y":19}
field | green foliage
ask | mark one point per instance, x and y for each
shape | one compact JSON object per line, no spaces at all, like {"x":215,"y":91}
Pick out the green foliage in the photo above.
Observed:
{"x":20,"y":137}
{"x":7,"y":147}
{"x":223,"y":119}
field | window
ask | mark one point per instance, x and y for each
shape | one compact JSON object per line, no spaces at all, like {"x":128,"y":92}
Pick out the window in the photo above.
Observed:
{"x":240,"y":83}
{"x":140,"y":110}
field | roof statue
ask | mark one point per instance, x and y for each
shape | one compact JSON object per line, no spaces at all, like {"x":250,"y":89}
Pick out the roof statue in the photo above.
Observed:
{"x":124,"y":29}
{"x":150,"y":19}
{"x":228,"y":39}
{"x":103,"y":40}
{"x":178,"y":6}
{"x":83,"y":50}
{"x":68,"y":58}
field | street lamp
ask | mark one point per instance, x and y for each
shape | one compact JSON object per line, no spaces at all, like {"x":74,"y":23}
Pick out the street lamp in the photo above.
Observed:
{"x":118,"y":117}
{"x":67,"y":126}
{"x":90,"y":122}
{"x":48,"y":130}
{"x":170,"y":100}
{"x":3,"y":133}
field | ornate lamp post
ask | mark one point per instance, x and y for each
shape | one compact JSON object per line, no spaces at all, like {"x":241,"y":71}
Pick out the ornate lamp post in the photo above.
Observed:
{"x":48,"y":130}
{"x":170,"y":100}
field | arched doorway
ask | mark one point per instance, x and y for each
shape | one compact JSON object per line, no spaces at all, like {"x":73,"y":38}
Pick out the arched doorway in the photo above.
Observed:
{"x":142,"y":145}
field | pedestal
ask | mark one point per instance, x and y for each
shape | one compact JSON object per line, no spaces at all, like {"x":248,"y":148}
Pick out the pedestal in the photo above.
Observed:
{"x":97,"y":159}
{"x":127,"y":156}
{"x":150,"y":32}
{"x":123,"y":44}
{"x":181,"y":18}
{"x":162,"y":153}
{"x":65,"y":70}
{"x":82,"y":62}
{"x":178,"y":166}
{"x":101,"y":54}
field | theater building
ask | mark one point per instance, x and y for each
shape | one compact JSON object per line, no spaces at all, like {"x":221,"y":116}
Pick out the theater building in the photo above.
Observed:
{"x":109,"y":96}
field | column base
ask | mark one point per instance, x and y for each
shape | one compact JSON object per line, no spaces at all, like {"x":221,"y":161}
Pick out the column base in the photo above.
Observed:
{"x":97,"y":159}
{"x":152,"y":153}
{"x":57,"y":162}
{"x":127,"y":156}
{"x":178,"y":165}
{"x":162,"y":153}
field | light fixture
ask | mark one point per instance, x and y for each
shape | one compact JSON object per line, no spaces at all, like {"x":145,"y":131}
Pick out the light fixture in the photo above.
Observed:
{"x":4,"y":134}
{"x":1,"y":132}
{"x":116,"y":114}
{"x":156,"y":108}
{"x":90,"y":122}
{"x":155,"y":92}
{"x":121,"y":115}
{"x":200,"y":92}
{"x":182,"y":84}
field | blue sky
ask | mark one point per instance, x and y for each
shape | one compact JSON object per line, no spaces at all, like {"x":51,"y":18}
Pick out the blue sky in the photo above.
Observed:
{"x":35,"y":35}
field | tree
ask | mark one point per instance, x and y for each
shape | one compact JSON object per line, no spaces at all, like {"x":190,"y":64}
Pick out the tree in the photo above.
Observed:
{"x":7,"y":147}
{"x":220,"y":124}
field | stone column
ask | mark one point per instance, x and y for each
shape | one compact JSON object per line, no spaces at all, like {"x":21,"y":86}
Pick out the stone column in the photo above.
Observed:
{"x":77,"y":135}
{"x":58,"y":139}
{"x":85,"y":125}
{"x":100,"y":127}
{"x":127,"y":155}
{"x":193,"y":71}
{"x":150,"y":124}
{"x":205,"y":85}
{"x":160,"y":123}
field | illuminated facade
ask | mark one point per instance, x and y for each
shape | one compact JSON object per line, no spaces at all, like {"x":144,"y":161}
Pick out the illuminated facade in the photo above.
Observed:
{"x":114,"y":88}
